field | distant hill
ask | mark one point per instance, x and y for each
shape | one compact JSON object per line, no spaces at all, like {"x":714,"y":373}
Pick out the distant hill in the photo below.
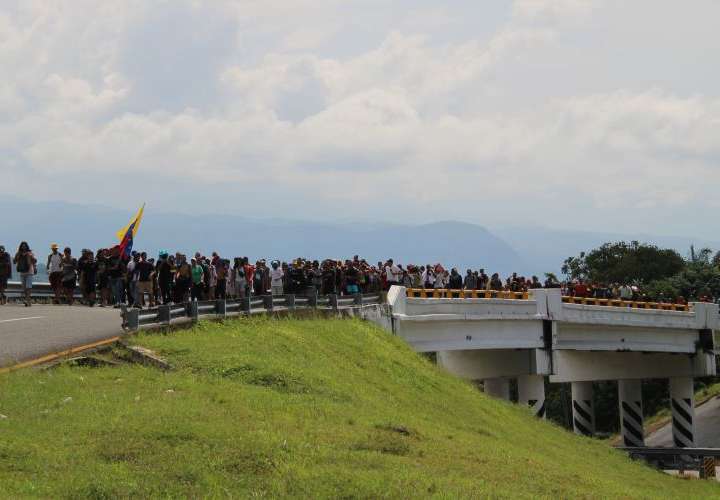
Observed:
{"x":453,"y":243}
{"x":505,"y":249}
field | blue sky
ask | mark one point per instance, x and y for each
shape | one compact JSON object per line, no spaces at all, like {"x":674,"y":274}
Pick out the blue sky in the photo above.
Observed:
{"x":602,"y":115}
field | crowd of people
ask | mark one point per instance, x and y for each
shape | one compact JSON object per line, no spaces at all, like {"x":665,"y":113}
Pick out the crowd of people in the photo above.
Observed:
{"x":618,"y":291}
{"x":106,"y":277}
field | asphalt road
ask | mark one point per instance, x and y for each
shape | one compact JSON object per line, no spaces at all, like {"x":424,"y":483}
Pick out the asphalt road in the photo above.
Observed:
{"x":707,"y":428}
{"x":27,"y":333}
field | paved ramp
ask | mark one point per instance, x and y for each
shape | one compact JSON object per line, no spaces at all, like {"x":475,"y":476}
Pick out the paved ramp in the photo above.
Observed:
{"x":707,"y":428}
{"x":31,"y":332}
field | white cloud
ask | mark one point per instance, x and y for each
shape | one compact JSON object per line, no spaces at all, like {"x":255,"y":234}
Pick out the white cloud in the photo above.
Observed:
{"x":554,"y":9}
{"x":248,"y":96}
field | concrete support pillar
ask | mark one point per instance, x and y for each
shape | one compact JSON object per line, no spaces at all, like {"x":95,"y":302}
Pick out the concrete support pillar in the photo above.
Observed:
{"x":631,"y":412}
{"x":682,"y":402}
{"x":531,"y":392}
{"x":497,"y":388}
{"x":583,"y":408}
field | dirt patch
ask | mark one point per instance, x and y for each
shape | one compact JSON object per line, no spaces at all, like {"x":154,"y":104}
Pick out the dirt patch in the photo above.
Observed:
{"x":277,"y":381}
{"x":388,"y":439}
{"x":255,"y":463}
{"x":398,"y":429}
{"x":383,"y":443}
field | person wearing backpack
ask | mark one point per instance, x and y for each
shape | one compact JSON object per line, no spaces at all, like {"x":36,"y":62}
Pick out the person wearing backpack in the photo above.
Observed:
{"x":26,"y":266}
{"x":69,"y":275}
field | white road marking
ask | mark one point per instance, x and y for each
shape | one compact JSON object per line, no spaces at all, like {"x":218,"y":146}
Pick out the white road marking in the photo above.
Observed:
{"x":20,"y":319}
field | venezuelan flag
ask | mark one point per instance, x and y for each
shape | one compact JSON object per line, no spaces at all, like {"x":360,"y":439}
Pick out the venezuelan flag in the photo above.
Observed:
{"x":127,"y":234}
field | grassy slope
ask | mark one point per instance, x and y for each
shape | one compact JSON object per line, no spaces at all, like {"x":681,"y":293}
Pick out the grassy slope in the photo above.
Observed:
{"x":313,"y":408}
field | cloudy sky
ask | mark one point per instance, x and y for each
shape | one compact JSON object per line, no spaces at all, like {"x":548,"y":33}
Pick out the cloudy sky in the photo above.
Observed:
{"x":599,"y":114}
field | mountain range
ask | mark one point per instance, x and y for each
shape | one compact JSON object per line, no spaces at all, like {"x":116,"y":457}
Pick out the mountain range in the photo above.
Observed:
{"x":528,"y":251}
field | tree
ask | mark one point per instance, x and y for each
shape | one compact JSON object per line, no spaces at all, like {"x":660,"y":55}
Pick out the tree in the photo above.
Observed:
{"x":575,"y":267}
{"x":716,"y":260}
{"x":700,"y":277}
{"x":623,"y":262}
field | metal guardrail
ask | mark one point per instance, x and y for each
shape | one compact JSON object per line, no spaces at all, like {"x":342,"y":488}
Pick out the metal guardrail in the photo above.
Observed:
{"x":443,"y":293}
{"x":702,"y":460}
{"x":660,"y":306}
{"x":135,"y":319}
{"x":40,"y":290}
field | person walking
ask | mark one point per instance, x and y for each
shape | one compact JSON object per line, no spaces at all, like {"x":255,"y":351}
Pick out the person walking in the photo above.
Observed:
{"x":5,"y":273}
{"x":26,"y":266}
{"x":54,"y":269}
{"x":143,"y":278}
{"x":470,"y":281}
{"x":87,"y":269}
{"x":69,"y":275}
{"x":115,"y":270}
{"x":198,"y":274}
{"x":240,"y":283}
{"x":164,"y":277}
{"x":393,"y":274}
{"x":183,"y":279}
{"x":276,"y":279}
{"x":428,"y":277}
{"x":220,"y":279}
{"x":103,"y":276}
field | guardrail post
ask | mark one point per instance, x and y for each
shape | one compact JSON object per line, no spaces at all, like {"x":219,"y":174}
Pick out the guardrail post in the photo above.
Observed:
{"x":358,"y":299}
{"x":164,"y":314}
{"x":245,"y":305}
{"x":268,"y":302}
{"x":333,"y":301}
{"x":194,"y":311}
{"x":313,"y":299}
{"x":221,"y":308}
{"x":132,"y":317}
{"x":290,"y":302}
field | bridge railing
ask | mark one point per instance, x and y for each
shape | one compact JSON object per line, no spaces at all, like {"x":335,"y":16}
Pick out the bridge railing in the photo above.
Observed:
{"x":660,"y":306}
{"x":442,"y":293}
{"x":41,"y":290}
{"x":702,"y":460}
{"x":136,"y":319}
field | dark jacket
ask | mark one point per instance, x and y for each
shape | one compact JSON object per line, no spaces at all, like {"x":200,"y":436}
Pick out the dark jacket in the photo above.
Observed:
{"x":5,"y":266}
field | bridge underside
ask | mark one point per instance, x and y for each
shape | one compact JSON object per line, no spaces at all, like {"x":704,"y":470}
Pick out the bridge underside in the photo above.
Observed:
{"x":609,"y":337}
{"x":486,"y":364}
{"x":587,"y":366}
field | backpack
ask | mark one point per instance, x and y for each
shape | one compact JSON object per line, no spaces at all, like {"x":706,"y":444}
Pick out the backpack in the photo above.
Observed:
{"x":23,"y":265}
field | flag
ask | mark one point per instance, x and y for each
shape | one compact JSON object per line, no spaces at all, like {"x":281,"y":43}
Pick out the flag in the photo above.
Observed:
{"x":127,"y":234}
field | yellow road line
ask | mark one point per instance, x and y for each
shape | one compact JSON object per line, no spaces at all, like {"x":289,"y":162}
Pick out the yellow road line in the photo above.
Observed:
{"x":56,"y":355}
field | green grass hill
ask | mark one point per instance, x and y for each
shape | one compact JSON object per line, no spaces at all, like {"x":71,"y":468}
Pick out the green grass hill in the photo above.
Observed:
{"x":293,"y":408}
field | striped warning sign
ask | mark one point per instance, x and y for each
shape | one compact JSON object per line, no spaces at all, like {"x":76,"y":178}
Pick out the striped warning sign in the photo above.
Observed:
{"x":583,"y":421}
{"x":538,"y":407}
{"x":682,"y":420}
{"x":632,"y":423}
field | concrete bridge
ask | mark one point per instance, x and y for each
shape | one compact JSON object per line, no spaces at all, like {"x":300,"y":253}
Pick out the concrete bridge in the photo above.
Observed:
{"x":541,"y":335}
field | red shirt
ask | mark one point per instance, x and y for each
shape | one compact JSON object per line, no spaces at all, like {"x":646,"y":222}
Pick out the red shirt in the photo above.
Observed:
{"x":581,"y":290}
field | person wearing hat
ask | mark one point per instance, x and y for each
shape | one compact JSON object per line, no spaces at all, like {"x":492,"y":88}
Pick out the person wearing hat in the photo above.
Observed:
{"x":5,"y":273}
{"x":277,"y":276}
{"x":54,"y":269}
